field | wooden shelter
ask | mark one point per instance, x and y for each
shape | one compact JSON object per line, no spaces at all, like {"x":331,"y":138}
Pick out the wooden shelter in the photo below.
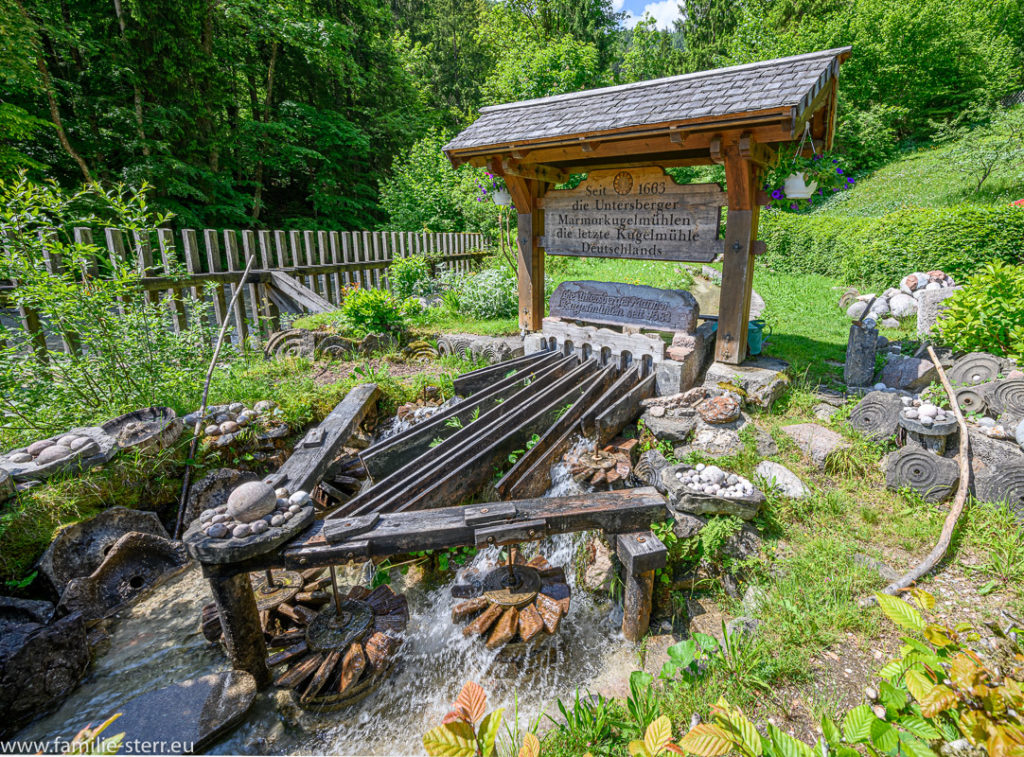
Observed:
{"x":734,"y":116}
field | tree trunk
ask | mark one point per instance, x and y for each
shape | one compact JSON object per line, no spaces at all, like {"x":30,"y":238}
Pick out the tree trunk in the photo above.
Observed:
{"x":257,"y":196}
{"x":137,"y":97}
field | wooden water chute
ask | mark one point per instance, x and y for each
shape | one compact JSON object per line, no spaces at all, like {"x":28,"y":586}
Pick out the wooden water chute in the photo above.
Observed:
{"x":733,"y":116}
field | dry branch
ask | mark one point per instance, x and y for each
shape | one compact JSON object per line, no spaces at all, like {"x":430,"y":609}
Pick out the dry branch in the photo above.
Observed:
{"x":939,"y":550}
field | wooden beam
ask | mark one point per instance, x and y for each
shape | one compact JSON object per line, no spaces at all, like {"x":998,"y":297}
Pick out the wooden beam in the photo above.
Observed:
{"x":641,"y":554}
{"x":715,"y":150}
{"x":754,"y":151}
{"x":738,"y":268}
{"x":299,"y":294}
{"x":530,"y":270}
{"x":815,"y":105}
{"x":537,"y":171}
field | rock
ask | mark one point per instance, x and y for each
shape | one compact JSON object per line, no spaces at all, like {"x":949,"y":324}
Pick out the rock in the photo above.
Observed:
{"x":889,"y":323}
{"x":299,"y":498}
{"x":902,"y":305}
{"x":764,"y":445}
{"x":204,"y":710}
{"x":264,"y":406}
{"x":599,"y":302}
{"x":1019,"y":434}
{"x":686,"y":526}
{"x":599,"y":571}
{"x":743,"y":544}
{"x":719,"y":410}
{"x":713,"y":441}
{"x":39,"y":669}
{"x":36,"y":448}
{"x":258,"y":527}
{"x":877,"y":415}
{"x":824,"y":412}
{"x":236,"y":407}
{"x":880,"y":307}
{"x":782,"y":479}
{"x":848,"y":298}
{"x":20,"y":457}
{"x":53,"y":453}
{"x":216,"y":530}
{"x":6,"y":485}
{"x":742,"y":626}
{"x":683,"y":498}
{"x":79,"y":549}
{"x":212,"y":430}
{"x":931,"y":476}
{"x":251,"y":501}
{"x":762,"y":379}
{"x":861,"y":347}
{"x":930,"y":305}
{"x":647,"y":469}
{"x":857,"y":310}
{"x":910,"y":373}
{"x":754,"y":598}
{"x":213,"y":490}
{"x":817,"y":442}
{"x":229,"y":427}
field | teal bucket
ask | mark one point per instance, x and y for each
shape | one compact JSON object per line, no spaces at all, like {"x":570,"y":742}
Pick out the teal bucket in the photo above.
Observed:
{"x":755,"y":336}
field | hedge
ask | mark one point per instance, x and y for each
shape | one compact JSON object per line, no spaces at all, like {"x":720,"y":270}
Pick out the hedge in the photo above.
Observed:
{"x":877,"y":252}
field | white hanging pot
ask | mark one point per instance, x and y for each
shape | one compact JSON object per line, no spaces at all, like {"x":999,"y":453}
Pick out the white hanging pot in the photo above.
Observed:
{"x":501,"y":197}
{"x":797,"y":188}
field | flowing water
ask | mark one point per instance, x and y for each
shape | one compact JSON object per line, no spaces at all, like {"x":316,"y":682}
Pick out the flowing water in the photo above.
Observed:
{"x":157,"y":642}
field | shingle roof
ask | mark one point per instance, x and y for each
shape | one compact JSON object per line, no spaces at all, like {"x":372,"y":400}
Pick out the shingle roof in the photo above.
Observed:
{"x":766,"y":85}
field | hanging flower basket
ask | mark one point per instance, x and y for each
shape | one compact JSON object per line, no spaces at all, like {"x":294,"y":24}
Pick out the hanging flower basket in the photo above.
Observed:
{"x":797,"y":188}
{"x":501,"y":197}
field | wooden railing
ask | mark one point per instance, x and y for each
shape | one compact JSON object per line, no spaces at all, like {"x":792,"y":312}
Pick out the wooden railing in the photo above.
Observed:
{"x":323,"y":262}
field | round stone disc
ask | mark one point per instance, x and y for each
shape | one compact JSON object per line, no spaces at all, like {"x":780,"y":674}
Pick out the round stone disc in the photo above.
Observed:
{"x":328,"y":631}
{"x":517,"y":592}
{"x":287,"y":583}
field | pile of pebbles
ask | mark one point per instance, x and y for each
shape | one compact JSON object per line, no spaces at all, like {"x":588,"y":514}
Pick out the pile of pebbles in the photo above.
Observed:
{"x":252,"y":509}
{"x":926,"y":413}
{"x":225,"y":422}
{"x":48,"y":451}
{"x":715,"y":482}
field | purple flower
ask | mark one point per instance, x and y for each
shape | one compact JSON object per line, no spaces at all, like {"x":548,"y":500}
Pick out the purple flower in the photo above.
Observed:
{"x":821,"y":192}
{"x":793,"y":206}
{"x":839,"y":171}
{"x":777,"y":194}
{"x":849,"y":180}
{"x":835,"y":160}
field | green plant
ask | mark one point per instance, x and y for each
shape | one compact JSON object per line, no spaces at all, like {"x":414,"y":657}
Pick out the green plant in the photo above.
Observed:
{"x":588,"y":723}
{"x":642,"y":701}
{"x":491,"y":293}
{"x":375,"y":311}
{"x":657,"y":740}
{"x":829,"y":171}
{"x":89,"y":741}
{"x":685,"y":658}
{"x":988,"y":313}
{"x":467,"y":732}
{"x":410,"y":277}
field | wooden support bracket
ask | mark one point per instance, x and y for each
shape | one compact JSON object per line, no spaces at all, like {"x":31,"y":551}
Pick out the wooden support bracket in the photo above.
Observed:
{"x":536,"y":171}
{"x":715,"y":150}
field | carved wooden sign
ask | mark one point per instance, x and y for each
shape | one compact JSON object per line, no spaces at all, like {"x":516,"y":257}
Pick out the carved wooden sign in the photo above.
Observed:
{"x":638,"y":213}
{"x":625,"y":305}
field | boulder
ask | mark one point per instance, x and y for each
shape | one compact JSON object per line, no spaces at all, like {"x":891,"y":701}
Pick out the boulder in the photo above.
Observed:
{"x":39,"y":669}
{"x":877,"y":415}
{"x":196,"y":712}
{"x":80,"y":548}
{"x":251,"y":501}
{"x":909,"y":373}
{"x":743,"y":544}
{"x":931,"y":476}
{"x":6,"y":485}
{"x":686,"y":525}
{"x":599,"y":570}
{"x":684,"y":500}
{"x":902,"y":305}
{"x":719,"y":410}
{"x":674,"y":427}
{"x":780,"y":478}
{"x":861,"y":347}
{"x":817,"y":442}
{"x":764,"y":445}
{"x":762,"y":380}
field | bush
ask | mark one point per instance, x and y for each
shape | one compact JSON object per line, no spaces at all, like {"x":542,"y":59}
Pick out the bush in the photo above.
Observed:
{"x":410,"y":277}
{"x":491,"y":293}
{"x":987,"y":315}
{"x":375,"y":311}
{"x":878,"y":252}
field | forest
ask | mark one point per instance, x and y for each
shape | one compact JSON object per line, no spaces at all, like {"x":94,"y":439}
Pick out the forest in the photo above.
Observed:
{"x":331,"y":113}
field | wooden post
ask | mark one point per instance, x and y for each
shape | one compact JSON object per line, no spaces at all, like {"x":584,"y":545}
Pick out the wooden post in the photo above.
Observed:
{"x":190,"y":248}
{"x":267,"y":257}
{"x":240,"y":621}
{"x":165,"y":240}
{"x":525,"y":195}
{"x":336,"y":259}
{"x":309,"y":242}
{"x":220,"y":303}
{"x":238,"y":307}
{"x":54,"y":263}
{"x":249,"y":250}
{"x":738,"y":267}
{"x":144,"y":261}
{"x":641,"y":554}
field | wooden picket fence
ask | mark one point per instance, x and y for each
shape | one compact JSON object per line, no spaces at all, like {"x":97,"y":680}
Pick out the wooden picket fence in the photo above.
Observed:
{"x":318,"y":266}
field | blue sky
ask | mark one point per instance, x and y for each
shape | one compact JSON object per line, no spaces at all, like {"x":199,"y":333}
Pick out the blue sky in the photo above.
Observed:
{"x":664,"y":11}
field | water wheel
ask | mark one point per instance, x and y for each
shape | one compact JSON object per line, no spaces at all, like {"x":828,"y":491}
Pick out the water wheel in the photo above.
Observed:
{"x":342,"y":481}
{"x":346,"y":650}
{"x":522,"y":601}
{"x":286,"y":601}
{"x":606,"y":468}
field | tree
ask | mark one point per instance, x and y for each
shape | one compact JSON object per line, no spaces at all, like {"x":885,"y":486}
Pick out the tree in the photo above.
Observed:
{"x":650,"y":54}
{"x":706,"y":26}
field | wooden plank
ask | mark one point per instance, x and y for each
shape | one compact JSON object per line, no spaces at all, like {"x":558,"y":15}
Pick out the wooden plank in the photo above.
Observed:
{"x":322,"y":257}
{"x":238,"y":307}
{"x":374,"y":249}
{"x":641,"y":551}
{"x":538,"y":171}
{"x":624,"y":411}
{"x":470,"y":383}
{"x":292,"y":290}
{"x":738,"y":267}
{"x":144,"y":261}
{"x":304,"y":469}
{"x":269,"y":258}
{"x":347,"y":256}
{"x":334,"y":240}
{"x":530,"y":273}
{"x":118,"y":258}
{"x":190,"y":249}
{"x":637,"y":599}
{"x":83,"y":236}
{"x":70,"y":342}
{"x":281,"y":246}
{"x":179,"y":319}
{"x":629,"y":379}
{"x":309,"y":245}
{"x":619,"y":511}
{"x":256,"y":310}
{"x":213,"y":260}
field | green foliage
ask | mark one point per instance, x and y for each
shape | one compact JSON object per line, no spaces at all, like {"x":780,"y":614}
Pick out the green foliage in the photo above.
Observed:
{"x":491,"y":293}
{"x":829,"y":171}
{"x":878,"y":252}
{"x":982,"y":150}
{"x":988,"y":313}
{"x":410,"y":277}
{"x":424,"y":192}
{"x":587,"y":724}
{"x":375,"y":311}
{"x":530,"y":68}
{"x":465,"y":731}
{"x":650,"y":54}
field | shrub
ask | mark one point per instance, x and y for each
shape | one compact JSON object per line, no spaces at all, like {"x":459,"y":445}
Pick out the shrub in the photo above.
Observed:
{"x":987,"y":315}
{"x":410,"y":277}
{"x":878,"y":252}
{"x":376,"y":311}
{"x":491,"y":293}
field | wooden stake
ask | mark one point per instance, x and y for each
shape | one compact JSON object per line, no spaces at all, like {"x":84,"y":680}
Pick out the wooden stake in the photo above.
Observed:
{"x":939,"y":550}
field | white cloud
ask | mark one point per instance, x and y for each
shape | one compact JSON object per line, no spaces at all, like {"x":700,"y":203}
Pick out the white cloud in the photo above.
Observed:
{"x":664,"y":12}
{"x":617,"y":5}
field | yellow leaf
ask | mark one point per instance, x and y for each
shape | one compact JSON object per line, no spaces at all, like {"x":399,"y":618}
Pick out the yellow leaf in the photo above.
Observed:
{"x":452,"y":740}
{"x":937,"y":635}
{"x":918,"y":684}
{"x":658,"y":734}
{"x":706,"y":740}
{"x":530,"y":747}
{"x":899,"y":612}
{"x":637,"y":749}
{"x":964,"y":672}
{"x":939,"y":699}
{"x":922,"y":599}
{"x":472,"y":700}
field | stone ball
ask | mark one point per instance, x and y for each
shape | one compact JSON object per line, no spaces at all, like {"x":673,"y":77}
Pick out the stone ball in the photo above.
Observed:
{"x":191,"y":420}
{"x":251,"y":501}
{"x":299,"y":498}
{"x":236,"y":407}
{"x":53,"y":453}
{"x":20,"y":457}
{"x":282,"y":493}
{"x":229,"y":427}
{"x":277,"y":520}
{"x":213,"y":430}
{"x":264,"y":406}
{"x":222,"y":418}
{"x":880,"y":306}
{"x":216,"y":530}
{"x":244,"y":419}
{"x":857,"y":311}
{"x":36,"y":448}
{"x":207,"y":515}
{"x":67,"y":439}
{"x":258,"y":527}
{"x":240,"y":531}
{"x":81,"y":442}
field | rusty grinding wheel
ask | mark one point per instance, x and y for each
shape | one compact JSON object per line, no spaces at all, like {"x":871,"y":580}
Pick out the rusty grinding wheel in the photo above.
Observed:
{"x":346,"y":650}
{"x":522,"y":601}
